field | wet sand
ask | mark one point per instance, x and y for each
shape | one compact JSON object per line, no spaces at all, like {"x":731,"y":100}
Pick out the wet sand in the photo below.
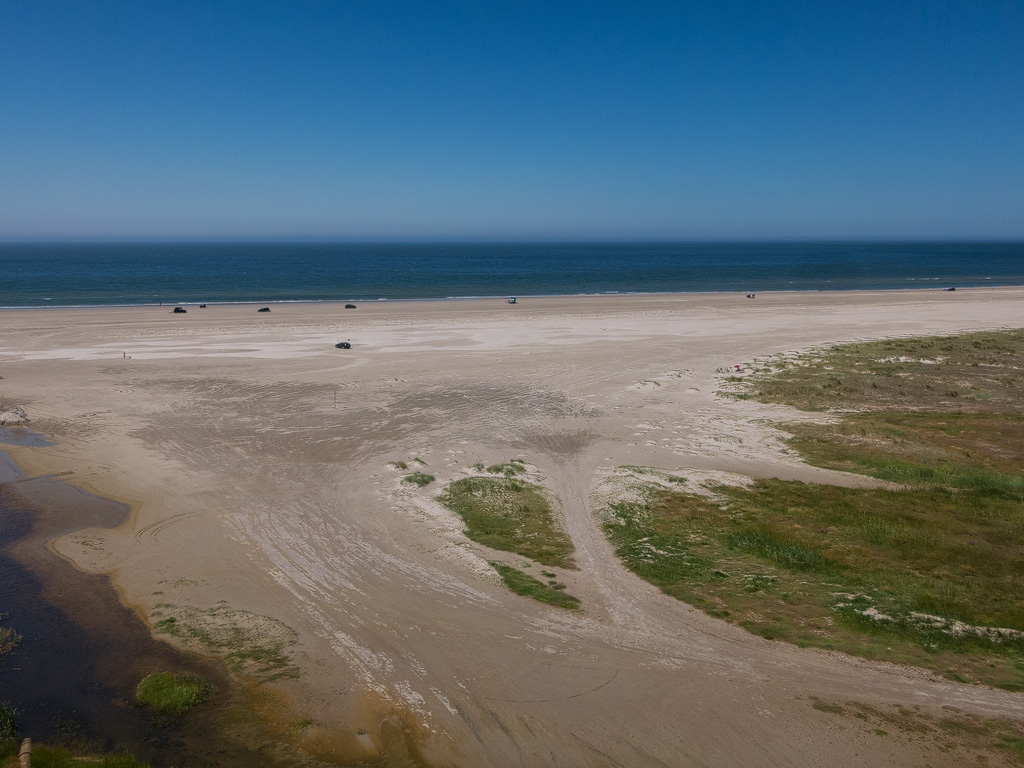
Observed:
{"x":254,"y":457}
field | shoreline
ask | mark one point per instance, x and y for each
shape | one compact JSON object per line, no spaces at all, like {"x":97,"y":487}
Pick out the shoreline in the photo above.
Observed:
{"x":254,"y":489}
{"x":503,"y":297}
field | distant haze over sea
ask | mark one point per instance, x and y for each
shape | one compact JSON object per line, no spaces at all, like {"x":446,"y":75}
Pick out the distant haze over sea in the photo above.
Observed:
{"x":63,"y":274}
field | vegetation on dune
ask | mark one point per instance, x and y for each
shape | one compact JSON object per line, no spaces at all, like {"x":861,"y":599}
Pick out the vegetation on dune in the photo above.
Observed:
{"x":898,"y":575}
{"x":926,"y":572}
{"x":511,"y":515}
{"x":967,"y":373}
{"x":419,"y":478}
{"x":166,"y":694}
{"x":523,"y":583}
{"x":981,"y":453}
{"x":509,"y":468}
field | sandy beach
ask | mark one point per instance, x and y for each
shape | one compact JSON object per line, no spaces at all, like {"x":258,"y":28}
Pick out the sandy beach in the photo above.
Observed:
{"x":255,"y":458}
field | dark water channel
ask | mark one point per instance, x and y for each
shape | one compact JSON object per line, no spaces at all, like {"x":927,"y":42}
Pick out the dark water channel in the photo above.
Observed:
{"x":73,"y":675}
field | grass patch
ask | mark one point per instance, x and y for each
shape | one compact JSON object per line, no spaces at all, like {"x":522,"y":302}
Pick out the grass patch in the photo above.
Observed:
{"x":779,"y":550}
{"x":419,"y":478}
{"x":524,"y":584}
{"x":251,"y":645}
{"x":511,"y":515}
{"x":171,"y":695}
{"x":398,"y":465}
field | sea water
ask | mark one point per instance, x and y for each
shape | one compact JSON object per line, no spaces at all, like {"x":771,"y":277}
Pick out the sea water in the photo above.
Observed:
{"x":148,"y":273}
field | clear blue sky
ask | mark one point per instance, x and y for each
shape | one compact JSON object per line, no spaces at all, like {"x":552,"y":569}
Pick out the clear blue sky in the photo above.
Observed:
{"x":477,"y":120}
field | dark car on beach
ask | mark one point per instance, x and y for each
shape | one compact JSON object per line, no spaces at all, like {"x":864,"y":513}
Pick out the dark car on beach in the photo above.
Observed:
{"x":343,"y":345}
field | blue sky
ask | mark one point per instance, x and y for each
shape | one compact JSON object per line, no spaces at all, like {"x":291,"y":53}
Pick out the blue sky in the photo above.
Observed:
{"x":478,"y":120}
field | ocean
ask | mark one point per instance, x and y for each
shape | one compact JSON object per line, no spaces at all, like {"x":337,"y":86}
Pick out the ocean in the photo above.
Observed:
{"x":83,"y":274}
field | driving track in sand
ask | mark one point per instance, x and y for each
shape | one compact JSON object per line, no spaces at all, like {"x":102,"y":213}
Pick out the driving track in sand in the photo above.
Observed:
{"x":250,"y":486}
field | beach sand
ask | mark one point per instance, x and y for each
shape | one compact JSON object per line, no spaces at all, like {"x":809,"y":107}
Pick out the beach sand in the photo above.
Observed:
{"x":255,"y":455}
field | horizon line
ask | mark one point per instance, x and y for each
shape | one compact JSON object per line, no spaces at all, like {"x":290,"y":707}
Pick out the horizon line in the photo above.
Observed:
{"x":287,"y":240}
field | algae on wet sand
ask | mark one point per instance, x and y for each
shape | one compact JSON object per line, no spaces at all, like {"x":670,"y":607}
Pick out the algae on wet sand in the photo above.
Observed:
{"x":9,"y":639}
{"x":250,"y":644}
